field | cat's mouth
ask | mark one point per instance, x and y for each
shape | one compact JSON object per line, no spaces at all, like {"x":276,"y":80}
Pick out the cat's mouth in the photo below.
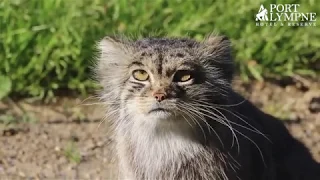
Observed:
{"x":155,"y":110}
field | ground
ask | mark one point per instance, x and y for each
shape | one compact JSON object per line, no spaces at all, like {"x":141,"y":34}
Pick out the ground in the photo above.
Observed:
{"x":69,"y":140}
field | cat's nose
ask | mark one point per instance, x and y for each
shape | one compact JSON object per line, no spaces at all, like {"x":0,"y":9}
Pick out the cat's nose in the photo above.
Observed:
{"x":160,"y":96}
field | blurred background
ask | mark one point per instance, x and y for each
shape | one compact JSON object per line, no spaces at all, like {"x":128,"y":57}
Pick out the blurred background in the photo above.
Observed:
{"x":50,"y":119}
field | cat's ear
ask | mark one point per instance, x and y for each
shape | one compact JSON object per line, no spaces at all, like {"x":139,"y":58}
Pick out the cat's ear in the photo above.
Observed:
{"x":110,"y":45}
{"x":217,"y":46}
{"x":217,"y":50}
{"x":113,"y":49}
{"x":214,"y":40}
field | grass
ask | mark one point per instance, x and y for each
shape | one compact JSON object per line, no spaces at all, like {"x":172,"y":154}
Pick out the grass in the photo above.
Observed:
{"x":279,"y":110}
{"x":72,"y":153}
{"x":8,"y":119}
{"x":48,"y":46}
{"x":15,"y":114}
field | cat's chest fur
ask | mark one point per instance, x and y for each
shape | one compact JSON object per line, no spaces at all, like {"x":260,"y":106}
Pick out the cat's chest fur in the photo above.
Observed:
{"x":169,"y":151}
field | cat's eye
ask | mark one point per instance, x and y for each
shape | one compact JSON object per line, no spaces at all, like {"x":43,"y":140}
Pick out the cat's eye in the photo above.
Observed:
{"x":185,"y":78}
{"x":182,"y":76}
{"x":140,"y":75}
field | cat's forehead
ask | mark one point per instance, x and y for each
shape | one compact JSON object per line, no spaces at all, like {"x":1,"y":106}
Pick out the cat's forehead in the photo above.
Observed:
{"x":164,"y":56}
{"x":166,"y":43}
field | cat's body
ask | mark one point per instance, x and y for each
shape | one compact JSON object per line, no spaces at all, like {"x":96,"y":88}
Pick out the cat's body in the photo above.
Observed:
{"x":175,"y":115}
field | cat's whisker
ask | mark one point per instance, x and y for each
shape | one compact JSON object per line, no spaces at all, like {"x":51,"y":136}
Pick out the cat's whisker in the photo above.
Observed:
{"x":255,"y":144}
{"x":95,"y":103}
{"x":220,"y":105}
{"x":225,"y":119}
{"x":195,"y":120}
{"x":107,"y":115}
{"x":220,"y":120}
{"x":235,"y":136}
{"x":196,"y":113}
{"x":89,"y":98}
{"x":253,"y":130}
{"x":251,"y":126}
{"x":181,"y":113}
{"x":221,"y":88}
{"x":229,"y":111}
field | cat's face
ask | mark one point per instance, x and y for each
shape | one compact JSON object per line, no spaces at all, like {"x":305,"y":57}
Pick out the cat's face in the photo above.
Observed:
{"x":163,"y":78}
{"x":159,"y":82}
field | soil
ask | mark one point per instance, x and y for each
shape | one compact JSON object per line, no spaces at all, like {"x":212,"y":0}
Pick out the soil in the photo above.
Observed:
{"x":69,"y":139}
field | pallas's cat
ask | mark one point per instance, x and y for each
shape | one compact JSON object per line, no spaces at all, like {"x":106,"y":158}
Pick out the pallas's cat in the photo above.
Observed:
{"x":175,"y":115}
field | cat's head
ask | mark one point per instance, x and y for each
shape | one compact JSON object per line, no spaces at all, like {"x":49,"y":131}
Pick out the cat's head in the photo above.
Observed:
{"x":159,"y":78}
